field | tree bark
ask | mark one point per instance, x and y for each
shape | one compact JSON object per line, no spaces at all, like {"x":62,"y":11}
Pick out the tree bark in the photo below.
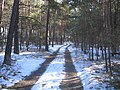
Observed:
{"x":8,"y":49}
{"x":1,"y":41}
{"x":0,"y":14}
{"x":16,"y":39}
{"x":47,"y":27}
{"x":54,"y":28}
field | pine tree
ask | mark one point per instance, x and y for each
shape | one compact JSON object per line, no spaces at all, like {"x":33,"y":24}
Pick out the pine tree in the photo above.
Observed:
{"x":8,"y":49}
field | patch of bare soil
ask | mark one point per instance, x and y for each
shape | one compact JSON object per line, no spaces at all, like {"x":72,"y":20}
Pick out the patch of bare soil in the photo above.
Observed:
{"x":71,"y":80}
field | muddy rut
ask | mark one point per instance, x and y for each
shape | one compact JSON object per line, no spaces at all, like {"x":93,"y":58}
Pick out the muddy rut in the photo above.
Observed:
{"x":71,"y":80}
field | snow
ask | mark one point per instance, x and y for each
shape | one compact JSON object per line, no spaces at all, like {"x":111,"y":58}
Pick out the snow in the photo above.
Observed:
{"x":54,"y":74}
{"x":52,"y":49}
{"x":23,"y":65}
{"x":52,"y":77}
{"x":91,"y":73}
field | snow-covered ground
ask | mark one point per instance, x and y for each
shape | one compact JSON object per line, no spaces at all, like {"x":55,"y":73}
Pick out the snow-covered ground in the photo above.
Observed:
{"x":52,"y":77}
{"x":23,"y":64}
{"x":54,"y":74}
{"x":91,"y":73}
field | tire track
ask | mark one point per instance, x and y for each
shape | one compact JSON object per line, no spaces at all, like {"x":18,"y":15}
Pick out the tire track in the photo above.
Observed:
{"x":30,"y":80}
{"x":71,"y":80}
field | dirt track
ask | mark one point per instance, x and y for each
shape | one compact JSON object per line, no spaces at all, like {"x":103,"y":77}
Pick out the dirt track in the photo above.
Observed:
{"x":71,"y":80}
{"x":29,"y":81}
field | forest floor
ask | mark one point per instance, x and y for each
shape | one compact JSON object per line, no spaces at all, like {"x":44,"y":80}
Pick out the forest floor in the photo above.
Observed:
{"x":63,"y":68}
{"x":30,"y":80}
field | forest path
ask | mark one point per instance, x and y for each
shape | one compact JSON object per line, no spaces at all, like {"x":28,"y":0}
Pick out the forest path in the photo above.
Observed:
{"x":71,"y":80}
{"x":30,"y":80}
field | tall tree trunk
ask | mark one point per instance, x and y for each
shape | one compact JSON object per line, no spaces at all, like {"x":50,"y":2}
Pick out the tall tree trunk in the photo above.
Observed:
{"x":97,"y":51}
{"x":54,"y":28}
{"x":0,"y":13}
{"x":106,"y":62}
{"x":8,"y":49}
{"x":28,"y":29}
{"x":102,"y":52}
{"x":110,"y":37}
{"x":92,"y":52}
{"x":40,"y":40}
{"x":16,"y":39}
{"x":109,"y":61}
{"x":1,"y":41}
{"x":21,"y":33}
{"x":61,"y":34}
{"x":47,"y":27}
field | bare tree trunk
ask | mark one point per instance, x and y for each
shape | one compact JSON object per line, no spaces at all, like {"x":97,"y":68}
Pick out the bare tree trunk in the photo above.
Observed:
{"x":1,"y":41}
{"x":109,"y":61}
{"x":110,"y":29}
{"x":47,"y":27}
{"x":61,"y":34}
{"x":16,"y":39}
{"x":8,"y":49}
{"x":102,"y":52}
{"x":39,"y":40}
{"x":21,"y":37}
{"x":54,"y":28}
{"x":1,"y":2}
{"x":97,"y":51}
{"x":28,"y":30}
{"x":92,"y":52}
{"x":106,"y":62}
{"x":89,"y":51}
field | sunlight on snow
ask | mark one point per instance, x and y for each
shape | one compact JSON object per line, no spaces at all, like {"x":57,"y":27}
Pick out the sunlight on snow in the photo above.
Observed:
{"x":52,"y":77}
